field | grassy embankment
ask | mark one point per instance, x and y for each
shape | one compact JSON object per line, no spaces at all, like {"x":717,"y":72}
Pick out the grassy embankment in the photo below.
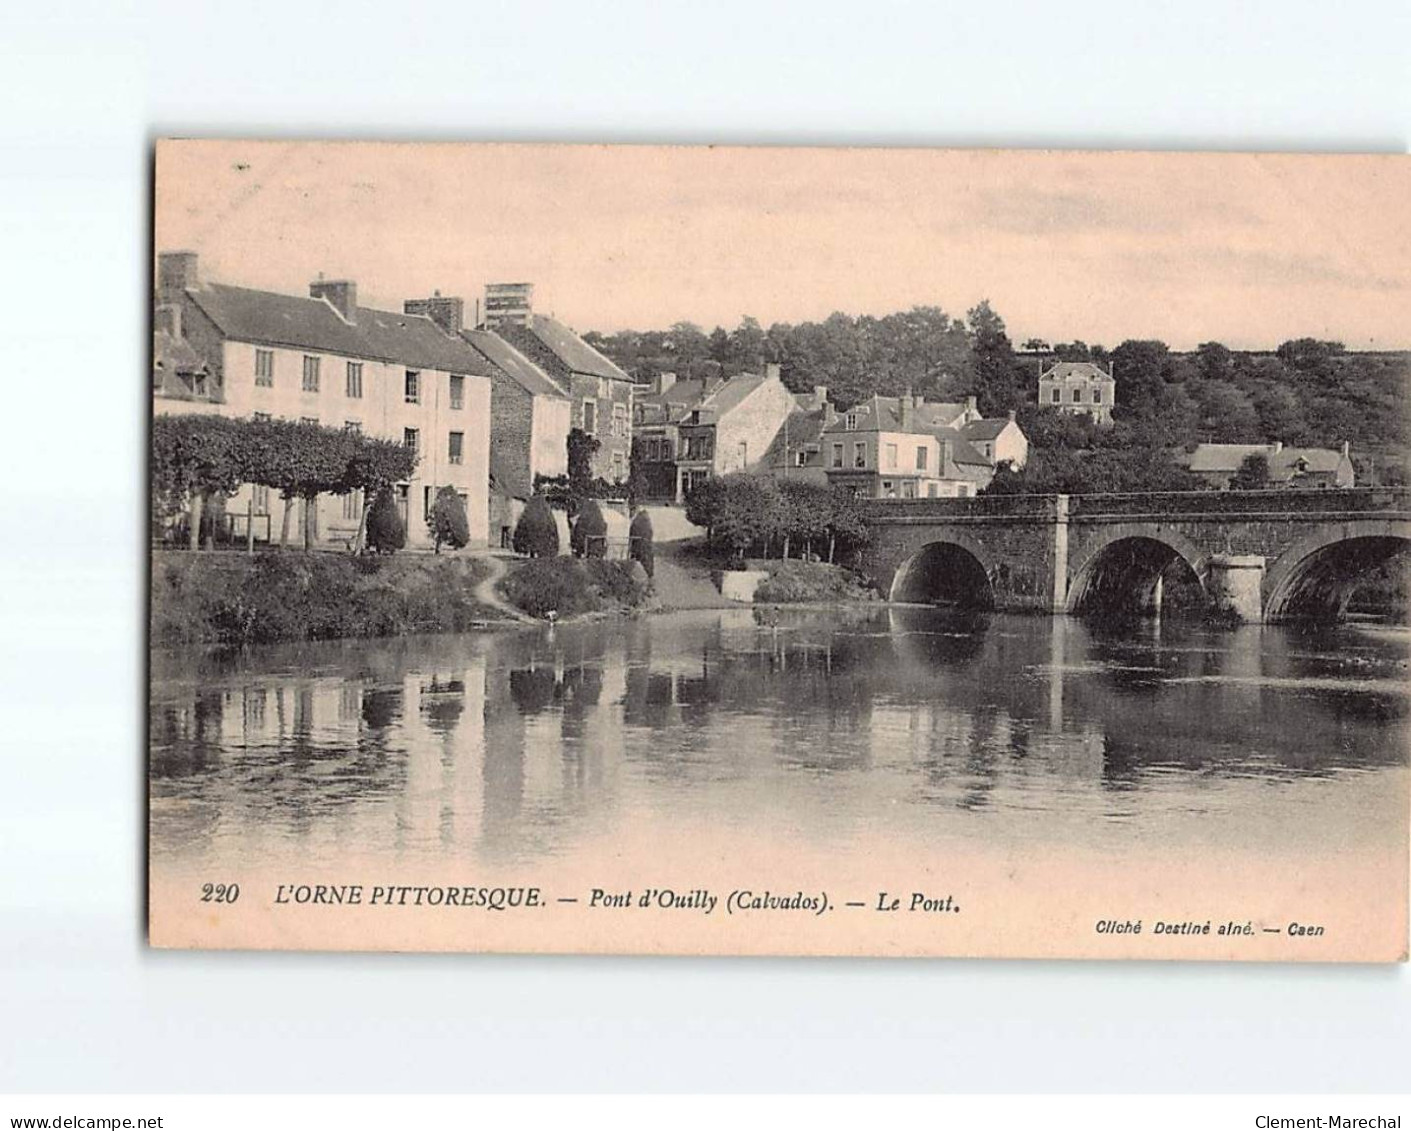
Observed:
{"x":236,"y":599}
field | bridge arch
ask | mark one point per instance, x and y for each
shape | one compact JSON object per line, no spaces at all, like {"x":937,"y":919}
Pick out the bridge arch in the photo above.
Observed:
{"x":1121,"y":567}
{"x":952,"y":569}
{"x":1317,"y":575}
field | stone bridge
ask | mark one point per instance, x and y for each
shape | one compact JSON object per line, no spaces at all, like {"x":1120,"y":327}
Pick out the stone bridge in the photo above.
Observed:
{"x":1258,"y":555}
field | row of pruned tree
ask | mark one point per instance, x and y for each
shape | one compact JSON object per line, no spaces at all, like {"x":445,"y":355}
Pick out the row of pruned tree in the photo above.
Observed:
{"x":199,"y":458}
{"x":754,"y":515}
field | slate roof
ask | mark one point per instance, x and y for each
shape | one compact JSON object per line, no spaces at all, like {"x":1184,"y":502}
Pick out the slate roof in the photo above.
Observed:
{"x":571,"y":351}
{"x":729,"y":395}
{"x":266,"y":317}
{"x":883,"y":414}
{"x":513,"y":364}
{"x":961,"y":450}
{"x":175,"y":355}
{"x":1225,"y":459}
{"x":800,"y":432}
{"x":985,"y":429}
{"x":1086,"y":369}
{"x":685,"y":394}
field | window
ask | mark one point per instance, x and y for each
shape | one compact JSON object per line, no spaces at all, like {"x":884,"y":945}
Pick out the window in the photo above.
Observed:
{"x":744,"y":453}
{"x":837,"y":455}
{"x":891,"y":457}
{"x":1057,"y":396}
{"x":617,"y":465}
{"x":410,"y":438}
{"x":859,"y":455}
{"x":933,"y":490}
{"x":850,"y":422}
{"x":1097,"y":396}
{"x":619,"y":420}
{"x":413,"y":387}
{"x":1077,"y":395}
{"x":455,"y":449}
{"x":353,"y":426}
{"x":310,"y":374}
{"x":352,"y":506}
{"x":262,"y":416}
{"x":590,"y":417}
{"x":889,"y":490}
{"x":800,"y":459}
{"x":920,"y":457}
{"x":355,"y":378}
{"x":264,"y":368}
{"x":908,"y":488}
{"x":457,"y":391}
{"x":403,"y":493}
{"x":426,"y":503}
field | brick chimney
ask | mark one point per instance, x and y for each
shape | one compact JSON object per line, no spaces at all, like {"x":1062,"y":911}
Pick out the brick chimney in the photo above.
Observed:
{"x":446,"y":312}
{"x":1276,"y":447}
{"x":177,"y":271}
{"x":663,"y":381}
{"x":970,"y":405}
{"x":1346,"y":450}
{"x":820,"y":396}
{"x":908,"y":411}
{"x":341,"y":294}
{"x":771,"y":372}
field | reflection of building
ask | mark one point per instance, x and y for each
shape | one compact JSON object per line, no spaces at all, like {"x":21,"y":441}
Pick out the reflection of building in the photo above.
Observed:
{"x":1218,"y":464}
{"x":1078,"y":388}
{"x":904,"y":447}
{"x":600,"y":394}
{"x":326,"y":360}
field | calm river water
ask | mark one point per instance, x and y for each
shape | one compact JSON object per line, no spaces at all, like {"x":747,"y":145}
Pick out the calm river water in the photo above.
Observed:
{"x":839,"y":728}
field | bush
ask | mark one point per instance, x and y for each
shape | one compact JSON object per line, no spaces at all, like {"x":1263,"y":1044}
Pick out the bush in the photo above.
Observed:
{"x":385,"y":532}
{"x":590,"y":532}
{"x":795,"y":582}
{"x":536,"y":533}
{"x":568,"y":586}
{"x":641,"y":542}
{"x":447,"y":523}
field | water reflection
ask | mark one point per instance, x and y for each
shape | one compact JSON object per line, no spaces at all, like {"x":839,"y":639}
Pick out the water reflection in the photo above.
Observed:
{"x":835,"y":726}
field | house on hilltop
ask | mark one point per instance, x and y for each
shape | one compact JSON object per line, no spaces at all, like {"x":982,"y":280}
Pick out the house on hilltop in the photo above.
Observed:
{"x":1078,"y":388}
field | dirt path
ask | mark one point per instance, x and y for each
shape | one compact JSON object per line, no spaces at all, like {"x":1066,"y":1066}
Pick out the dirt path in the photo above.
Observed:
{"x":486,"y":594}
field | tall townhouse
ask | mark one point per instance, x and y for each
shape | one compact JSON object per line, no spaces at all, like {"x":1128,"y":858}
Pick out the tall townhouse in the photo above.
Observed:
{"x":600,"y":394}
{"x":905,"y":448}
{"x":732,"y":429}
{"x":324,"y":359}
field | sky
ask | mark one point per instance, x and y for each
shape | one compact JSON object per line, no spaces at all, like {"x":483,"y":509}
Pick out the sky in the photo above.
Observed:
{"x":1246,"y":249}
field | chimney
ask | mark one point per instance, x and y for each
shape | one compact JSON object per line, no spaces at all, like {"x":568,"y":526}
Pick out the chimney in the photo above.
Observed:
{"x":970,"y":406}
{"x":1013,"y":416}
{"x":908,"y":411}
{"x":1276,"y":447}
{"x":448,"y":313}
{"x":830,"y":414}
{"x":177,"y":272}
{"x":663,"y":381}
{"x":820,"y":396}
{"x":508,"y":304}
{"x":1346,"y":450}
{"x":771,"y":372}
{"x":341,"y":294}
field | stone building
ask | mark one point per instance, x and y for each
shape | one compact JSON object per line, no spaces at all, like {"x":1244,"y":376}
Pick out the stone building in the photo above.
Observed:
{"x":732,"y":428}
{"x":999,"y":440}
{"x":1219,"y":464}
{"x":600,"y":394}
{"x":1078,"y":388}
{"x":327,"y":360}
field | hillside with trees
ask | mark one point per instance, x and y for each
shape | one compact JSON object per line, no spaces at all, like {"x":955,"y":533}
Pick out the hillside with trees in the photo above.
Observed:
{"x":1307,"y":392}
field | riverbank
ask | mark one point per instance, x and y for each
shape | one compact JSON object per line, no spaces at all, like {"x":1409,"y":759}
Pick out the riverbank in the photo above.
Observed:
{"x":236,"y":599}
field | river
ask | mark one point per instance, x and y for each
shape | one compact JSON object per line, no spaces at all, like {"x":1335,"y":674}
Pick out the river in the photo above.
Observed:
{"x":840,"y":730}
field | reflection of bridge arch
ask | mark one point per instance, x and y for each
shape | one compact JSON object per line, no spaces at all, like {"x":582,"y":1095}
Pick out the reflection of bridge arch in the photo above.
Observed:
{"x":1122,"y":566}
{"x":954,"y":569}
{"x":1318,"y":574}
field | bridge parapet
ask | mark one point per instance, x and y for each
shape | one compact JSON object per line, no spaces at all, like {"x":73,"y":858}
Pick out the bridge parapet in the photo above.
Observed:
{"x":1350,"y":500}
{"x":979,"y":506}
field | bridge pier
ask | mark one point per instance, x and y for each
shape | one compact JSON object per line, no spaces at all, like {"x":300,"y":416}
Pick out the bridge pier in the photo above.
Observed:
{"x":1235,"y":585}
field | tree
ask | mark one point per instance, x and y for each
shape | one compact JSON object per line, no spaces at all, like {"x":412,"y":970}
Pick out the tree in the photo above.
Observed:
{"x":704,"y":503}
{"x":845,"y":526}
{"x":581,"y":450}
{"x":447,"y":521}
{"x":996,"y":380}
{"x":194,"y":458}
{"x":1252,"y":474}
{"x":589,"y":536}
{"x":536,"y":533}
{"x":640,"y":537}
{"x":386,"y":533}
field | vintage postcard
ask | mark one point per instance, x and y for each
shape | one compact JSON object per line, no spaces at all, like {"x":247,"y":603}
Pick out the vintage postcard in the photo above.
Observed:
{"x":698,"y":550}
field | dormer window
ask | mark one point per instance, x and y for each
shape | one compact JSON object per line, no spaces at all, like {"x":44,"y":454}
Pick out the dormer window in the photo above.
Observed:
{"x":850,"y":422}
